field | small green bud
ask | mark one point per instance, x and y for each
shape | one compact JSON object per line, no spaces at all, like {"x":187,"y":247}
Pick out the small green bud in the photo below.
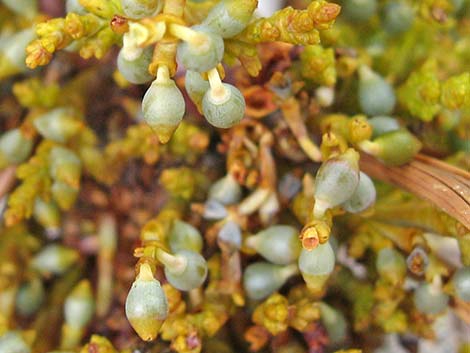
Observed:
{"x":58,"y":125}
{"x":226,"y":190}
{"x":278,"y":244}
{"x":336,"y":181}
{"x":461,"y":281}
{"x":27,"y":8}
{"x":229,"y":17}
{"x":391,"y":265}
{"x":74,"y":6}
{"x":261,"y":279}
{"x":14,"y":148}
{"x":429,"y":299}
{"x":146,"y":304}
{"x":163,"y":107}
{"x":64,"y":195}
{"x":196,"y":87}
{"x":383,"y":124}
{"x":334,"y":322}
{"x":65,"y":166}
{"x":79,"y":305}
{"x":359,"y":10}
{"x":203,"y":56}
{"x":376,"y":96}
{"x":190,"y":273}
{"x":183,"y":236}
{"x":136,"y":71}
{"x":138,"y":9}
{"x":363,"y":197}
{"x":54,"y":259}
{"x":30,"y":296}
{"x":13,"y":342}
{"x":316,"y":266}
{"x":223,"y":108}
{"x":13,"y":52}
{"x":47,"y":214}
{"x":393,"y":148}
{"x":398,"y":17}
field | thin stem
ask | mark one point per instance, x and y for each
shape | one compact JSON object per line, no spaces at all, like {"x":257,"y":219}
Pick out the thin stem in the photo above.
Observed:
{"x":175,"y":264}
{"x":218,"y":91}
{"x":187,"y":34}
{"x":289,"y":271}
{"x":252,"y":242}
{"x":145,"y":273}
{"x":163,"y":74}
{"x":369,"y":147}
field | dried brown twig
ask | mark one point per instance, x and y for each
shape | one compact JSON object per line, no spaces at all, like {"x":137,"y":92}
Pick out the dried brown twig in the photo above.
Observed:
{"x":443,"y":185}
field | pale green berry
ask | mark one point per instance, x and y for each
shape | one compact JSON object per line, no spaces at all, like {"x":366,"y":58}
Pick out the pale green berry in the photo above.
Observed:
{"x":226,"y":190}
{"x":430,"y":300}
{"x":74,"y":6}
{"x":461,"y":281}
{"x":398,"y":17}
{"x":65,"y":165}
{"x":261,"y":279}
{"x":163,"y":107}
{"x":58,"y":125}
{"x":201,"y":57}
{"x":136,"y":71}
{"x":64,"y":195}
{"x":13,"y":342}
{"x":47,"y":214}
{"x":363,"y":197}
{"x":54,"y":259}
{"x":141,"y":8}
{"x":191,"y":274}
{"x":30,"y":296}
{"x":79,"y":305}
{"x":27,"y":8}
{"x":336,"y":181}
{"x":15,"y":148}
{"x":224,"y":109}
{"x":278,"y":244}
{"x":376,"y":96}
{"x":196,"y":87}
{"x":316,"y":266}
{"x":183,"y":236}
{"x":146,"y":305}
{"x":359,"y":10}
{"x":391,"y":265}
{"x":383,"y":124}
{"x":396,"y":147}
{"x":334,"y":322}
{"x":13,"y":52}
{"x":229,"y":17}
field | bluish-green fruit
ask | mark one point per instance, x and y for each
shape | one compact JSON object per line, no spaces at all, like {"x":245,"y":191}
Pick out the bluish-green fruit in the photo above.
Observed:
{"x":183,"y":236}
{"x":461,"y":281}
{"x":376,"y":96}
{"x":163,"y":107}
{"x":224,"y":109}
{"x":398,"y":17}
{"x":190,"y":276}
{"x":383,"y":124}
{"x":201,"y":57}
{"x":430,"y":300}
{"x":141,"y":8}
{"x":136,"y":71}
{"x":363,"y":197}
{"x":278,"y":244}
{"x":261,"y":279}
